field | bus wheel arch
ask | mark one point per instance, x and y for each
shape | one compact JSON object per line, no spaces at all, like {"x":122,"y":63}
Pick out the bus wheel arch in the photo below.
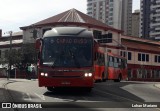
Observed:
{"x":50,"y":89}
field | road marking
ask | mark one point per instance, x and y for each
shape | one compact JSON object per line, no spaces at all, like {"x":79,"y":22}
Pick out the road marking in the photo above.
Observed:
{"x":116,"y":96}
{"x":40,"y":96}
{"x":121,"y":97}
{"x":26,"y":96}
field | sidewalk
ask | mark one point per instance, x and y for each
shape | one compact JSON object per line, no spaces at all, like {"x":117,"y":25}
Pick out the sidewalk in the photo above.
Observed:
{"x":3,"y":98}
{"x":157,"y":85}
{"x":3,"y":81}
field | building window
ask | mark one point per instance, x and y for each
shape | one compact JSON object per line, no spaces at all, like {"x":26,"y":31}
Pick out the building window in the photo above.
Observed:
{"x":143,"y":57}
{"x":123,"y":53}
{"x":110,"y":14}
{"x":147,"y":57}
{"x":157,"y":59}
{"x":97,"y":34}
{"x":139,"y":57}
{"x":111,"y":9}
{"x":129,"y":56}
{"x":110,"y":23}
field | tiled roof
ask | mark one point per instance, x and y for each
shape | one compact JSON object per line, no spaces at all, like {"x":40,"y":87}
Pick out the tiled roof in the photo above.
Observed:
{"x":137,"y":39}
{"x":72,"y":16}
{"x":137,"y":45}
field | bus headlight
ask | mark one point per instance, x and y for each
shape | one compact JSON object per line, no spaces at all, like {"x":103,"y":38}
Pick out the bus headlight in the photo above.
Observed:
{"x":88,"y":74}
{"x":42,"y":74}
{"x":46,"y":74}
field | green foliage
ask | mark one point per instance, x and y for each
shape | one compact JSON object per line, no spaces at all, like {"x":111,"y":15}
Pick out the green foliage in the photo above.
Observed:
{"x":29,"y":53}
{"x":26,"y":54}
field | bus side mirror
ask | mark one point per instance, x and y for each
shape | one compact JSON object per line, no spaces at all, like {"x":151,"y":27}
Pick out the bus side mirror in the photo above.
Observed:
{"x":38,"y":43}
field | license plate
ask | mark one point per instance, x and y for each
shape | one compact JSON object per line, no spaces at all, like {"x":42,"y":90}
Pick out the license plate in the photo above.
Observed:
{"x":65,"y":83}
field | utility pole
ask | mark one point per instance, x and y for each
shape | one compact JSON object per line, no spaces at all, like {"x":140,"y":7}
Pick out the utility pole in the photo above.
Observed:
{"x":10,"y":52}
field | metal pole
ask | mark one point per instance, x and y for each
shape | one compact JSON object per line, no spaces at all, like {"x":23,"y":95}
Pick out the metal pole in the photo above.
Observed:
{"x":15,"y":73}
{"x":9,"y":72}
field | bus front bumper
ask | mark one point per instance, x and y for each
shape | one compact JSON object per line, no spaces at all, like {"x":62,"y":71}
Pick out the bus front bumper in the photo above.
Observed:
{"x":66,"y":82}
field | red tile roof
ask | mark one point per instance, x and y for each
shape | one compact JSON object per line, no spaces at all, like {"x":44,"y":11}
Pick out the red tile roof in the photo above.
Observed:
{"x":141,"y":46}
{"x":73,"y":16}
{"x":142,"y":40}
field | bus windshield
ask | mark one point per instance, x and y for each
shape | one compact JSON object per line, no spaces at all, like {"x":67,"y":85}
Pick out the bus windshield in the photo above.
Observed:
{"x":67,"y":52}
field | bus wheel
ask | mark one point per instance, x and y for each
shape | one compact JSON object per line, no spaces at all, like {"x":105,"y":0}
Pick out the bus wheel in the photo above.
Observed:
{"x":119,"y":78}
{"x":103,"y":78}
{"x":50,"y":88}
{"x":88,"y":89}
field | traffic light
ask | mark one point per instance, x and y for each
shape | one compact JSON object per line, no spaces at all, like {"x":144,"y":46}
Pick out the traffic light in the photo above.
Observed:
{"x":106,"y":38}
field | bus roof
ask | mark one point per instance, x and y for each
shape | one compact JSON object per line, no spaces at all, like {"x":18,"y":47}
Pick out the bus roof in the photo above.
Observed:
{"x":68,"y":31}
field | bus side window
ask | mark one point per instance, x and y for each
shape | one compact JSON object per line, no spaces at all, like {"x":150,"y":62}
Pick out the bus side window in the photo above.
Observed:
{"x":120,"y":63}
{"x":116,"y":62}
{"x":123,"y":64}
{"x":111,"y":61}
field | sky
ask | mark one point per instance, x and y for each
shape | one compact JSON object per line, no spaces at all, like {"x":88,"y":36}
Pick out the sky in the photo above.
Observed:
{"x":19,"y":13}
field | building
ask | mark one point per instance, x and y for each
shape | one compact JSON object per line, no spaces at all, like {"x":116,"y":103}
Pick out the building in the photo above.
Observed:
{"x":135,"y":23}
{"x":16,"y":40}
{"x":150,"y":15}
{"x":143,"y":55}
{"x":143,"y":58}
{"x":126,"y":17}
{"x":115,"y":13}
{"x":13,"y":42}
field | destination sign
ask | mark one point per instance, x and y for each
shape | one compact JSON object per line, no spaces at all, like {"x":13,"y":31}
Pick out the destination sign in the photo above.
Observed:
{"x":69,"y":41}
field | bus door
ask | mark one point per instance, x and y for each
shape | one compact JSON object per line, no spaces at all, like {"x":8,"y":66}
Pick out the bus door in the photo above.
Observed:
{"x":111,"y":69}
{"x":106,"y":66}
{"x":99,"y":66}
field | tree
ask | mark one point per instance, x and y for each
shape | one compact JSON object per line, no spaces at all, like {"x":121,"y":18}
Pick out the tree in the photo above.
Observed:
{"x":29,"y":53}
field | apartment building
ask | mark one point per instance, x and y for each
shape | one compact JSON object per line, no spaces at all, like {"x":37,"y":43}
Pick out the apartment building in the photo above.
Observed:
{"x":135,"y":23}
{"x":150,"y":19}
{"x":115,"y":13}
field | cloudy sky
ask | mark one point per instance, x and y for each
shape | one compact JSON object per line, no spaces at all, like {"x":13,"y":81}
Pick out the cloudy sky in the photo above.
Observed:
{"x":18,"y":13}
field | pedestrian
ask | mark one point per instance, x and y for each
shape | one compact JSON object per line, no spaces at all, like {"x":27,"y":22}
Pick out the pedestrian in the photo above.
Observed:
{"x":33,"y":71}
{"x":28,"y":70}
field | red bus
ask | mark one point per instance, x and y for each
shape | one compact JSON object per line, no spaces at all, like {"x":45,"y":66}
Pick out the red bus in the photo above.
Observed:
{"x":65,"y":58}
{"x":109,"y":66}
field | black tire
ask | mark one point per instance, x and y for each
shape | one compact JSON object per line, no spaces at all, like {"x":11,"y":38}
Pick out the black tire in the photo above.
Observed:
{"x":103,"y":79}
{"x":88,"y":89}
{"x":119,"y":78}
{"x":50,"y":89}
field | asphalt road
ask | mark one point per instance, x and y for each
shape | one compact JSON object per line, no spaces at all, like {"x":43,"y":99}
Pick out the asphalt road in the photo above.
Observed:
{"x":110,"y":96}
